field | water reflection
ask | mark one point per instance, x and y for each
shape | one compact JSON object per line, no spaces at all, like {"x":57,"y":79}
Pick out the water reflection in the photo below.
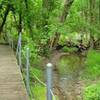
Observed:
{"x":67,"y":76}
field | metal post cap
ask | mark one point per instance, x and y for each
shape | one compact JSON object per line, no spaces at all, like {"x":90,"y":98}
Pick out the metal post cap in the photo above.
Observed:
{"x":49,"y":65}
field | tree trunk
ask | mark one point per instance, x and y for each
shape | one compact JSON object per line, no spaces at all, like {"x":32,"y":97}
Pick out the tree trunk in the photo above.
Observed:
{"x":67,"y":6}
{"x":26,"y":3}
{"x":5,"y":17}
{"x":20,"y":23}
{"x":20,"y":18}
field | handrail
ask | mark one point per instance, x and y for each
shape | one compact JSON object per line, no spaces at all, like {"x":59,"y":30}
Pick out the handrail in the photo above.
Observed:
{"x":49,"y":71}
{"x":27,"y":71}
{"x":39,"y":80}
{"x":18,"y":44}
{"x":18,"y":50}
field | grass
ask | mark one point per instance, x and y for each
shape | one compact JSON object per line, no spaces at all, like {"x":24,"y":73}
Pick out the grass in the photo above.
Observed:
{"x":91,"y":75}
{"x":67,"y":49}
{"x":36,"y":72}
{"x":92,"y":67}
{"x":38,"y":91}
{"x":38,"y":88}
{"x":92,"y":92}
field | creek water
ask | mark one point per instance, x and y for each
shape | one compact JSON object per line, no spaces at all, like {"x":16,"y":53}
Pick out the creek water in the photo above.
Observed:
{"x":67,"y":82}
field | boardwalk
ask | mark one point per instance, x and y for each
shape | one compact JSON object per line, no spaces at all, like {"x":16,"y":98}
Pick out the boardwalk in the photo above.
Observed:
{"x":11,"y":84}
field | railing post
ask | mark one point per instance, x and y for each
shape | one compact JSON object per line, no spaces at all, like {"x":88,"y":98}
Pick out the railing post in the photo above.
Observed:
{"x":49,"y":81}
{"x":27,"y":71}
{"x":19,"y":50}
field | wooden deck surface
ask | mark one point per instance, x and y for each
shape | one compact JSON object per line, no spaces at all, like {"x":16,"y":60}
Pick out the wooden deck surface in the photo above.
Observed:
{"x":11,"y":83}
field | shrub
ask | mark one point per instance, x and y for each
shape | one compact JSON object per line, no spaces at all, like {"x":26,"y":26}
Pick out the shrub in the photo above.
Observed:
{"x":92,"y":92}
{"x":92,"y":67}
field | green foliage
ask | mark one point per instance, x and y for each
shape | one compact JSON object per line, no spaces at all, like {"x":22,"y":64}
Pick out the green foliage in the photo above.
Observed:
{"x":92,"y":69}
{"x":67,"y":49}
{"x":40,"y":20}
{"x":37,"y":72}
{"x":92,"y":92}
{"x":39,"y":92}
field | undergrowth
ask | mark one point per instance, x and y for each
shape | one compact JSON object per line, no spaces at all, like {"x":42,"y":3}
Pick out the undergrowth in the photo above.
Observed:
{"x":92,"y":66}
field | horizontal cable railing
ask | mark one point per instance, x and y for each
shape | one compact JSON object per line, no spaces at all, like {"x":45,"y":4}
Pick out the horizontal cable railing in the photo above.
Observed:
{"x":48,"y":85}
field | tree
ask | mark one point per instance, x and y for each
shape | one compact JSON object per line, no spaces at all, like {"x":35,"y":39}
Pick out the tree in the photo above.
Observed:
{"x":5,"y":17}
{"x":67,"y":6}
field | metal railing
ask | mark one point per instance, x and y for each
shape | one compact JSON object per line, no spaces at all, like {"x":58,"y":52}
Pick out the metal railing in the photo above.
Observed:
{"x":18,"y":51}
{"x":49,"y":81}
{"x":27,"y":71}
{"x":49,"y":72}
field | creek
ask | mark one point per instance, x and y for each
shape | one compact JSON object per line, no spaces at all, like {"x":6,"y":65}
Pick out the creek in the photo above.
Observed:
{"x":67,"y":83}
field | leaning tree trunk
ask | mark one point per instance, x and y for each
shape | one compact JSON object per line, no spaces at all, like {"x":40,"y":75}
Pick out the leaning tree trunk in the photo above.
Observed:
{"x":20,"y":23}
{"x":5,"y":17}
{"x":67,"y":6}
{"x":20,"y":19}
{"x":26,"y":3}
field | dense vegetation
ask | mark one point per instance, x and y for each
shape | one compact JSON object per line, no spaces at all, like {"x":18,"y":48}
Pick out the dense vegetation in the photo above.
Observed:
{"x":50,"y":26}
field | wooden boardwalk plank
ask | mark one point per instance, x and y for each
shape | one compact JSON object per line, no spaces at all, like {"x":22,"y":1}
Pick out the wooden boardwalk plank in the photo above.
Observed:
{"x":11,"y":83}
